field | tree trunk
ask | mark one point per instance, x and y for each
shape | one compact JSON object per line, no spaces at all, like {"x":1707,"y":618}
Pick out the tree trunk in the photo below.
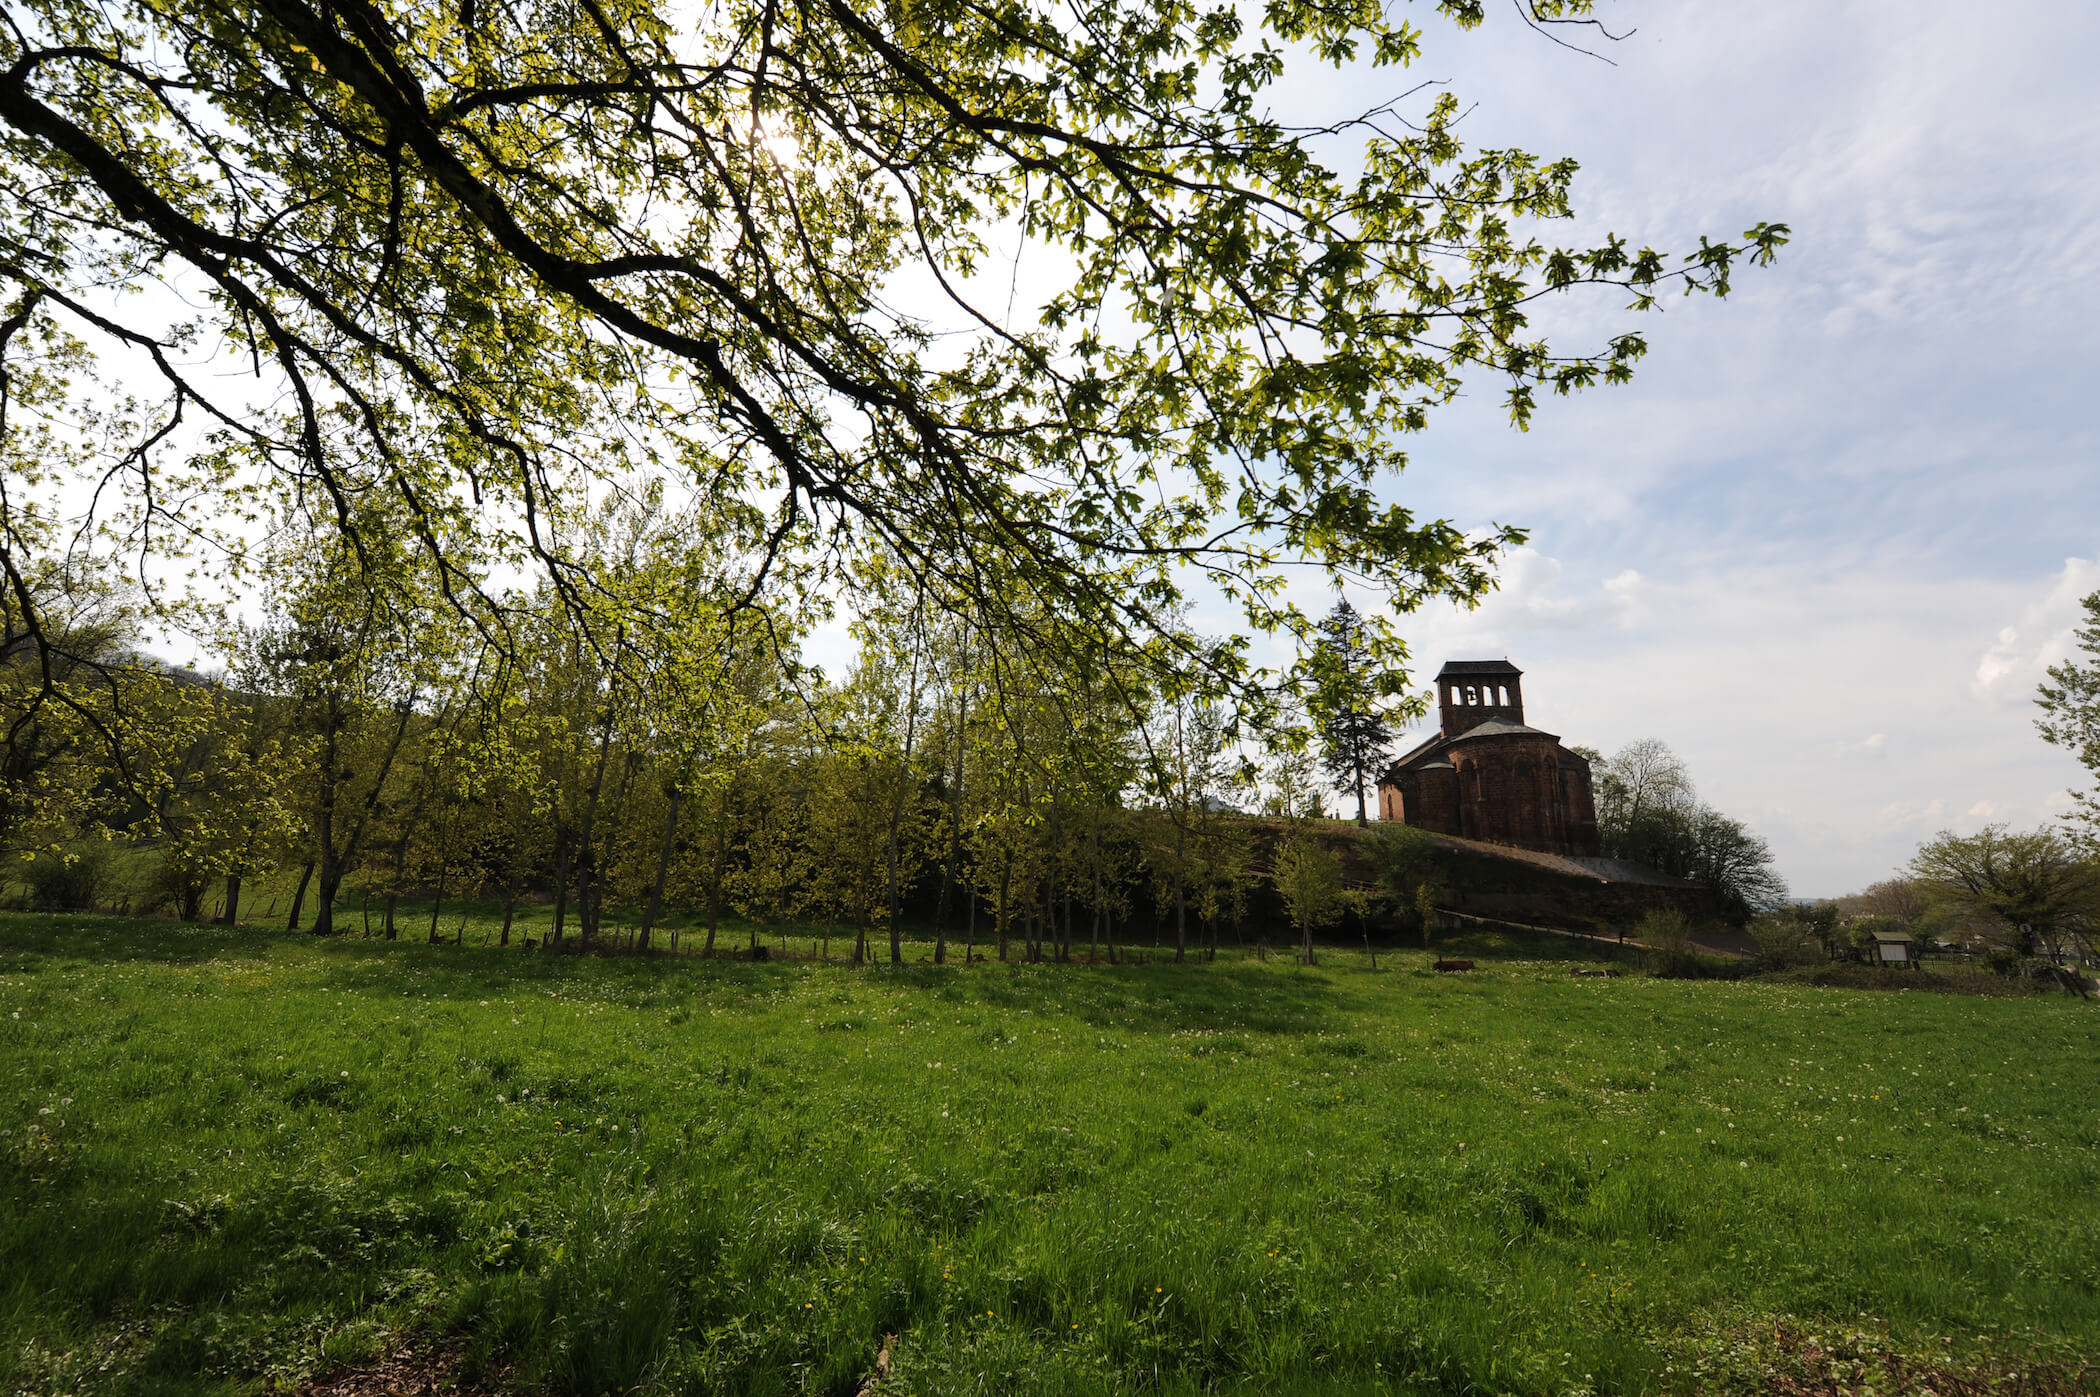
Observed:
{"x":663,"y":871}
{"x":232,"y":915}
{"x":408,"y":825}
{"x":335,"y":864}
{"x":721,"y":867}
{"x":324,"y":912}
{"x":437,"y":901}
{"x":324,"y":820}
{"x":1181,"y":901}
{"x":955,"y":811}
{"x":911,"y":730}
{"x":1006,"y":877}
{"x":583,"y":859}
{"x":594,"y":887}
{"x":561,"y":884}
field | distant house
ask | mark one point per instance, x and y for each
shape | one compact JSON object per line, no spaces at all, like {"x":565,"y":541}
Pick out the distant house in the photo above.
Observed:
{"x":1485,"y":775}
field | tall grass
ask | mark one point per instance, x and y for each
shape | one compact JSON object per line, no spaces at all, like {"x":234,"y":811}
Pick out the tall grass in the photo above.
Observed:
{"x":238,"y":1157}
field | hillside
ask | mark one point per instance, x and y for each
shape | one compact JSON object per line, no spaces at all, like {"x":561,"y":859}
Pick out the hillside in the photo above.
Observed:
{"x":1598,"y":896}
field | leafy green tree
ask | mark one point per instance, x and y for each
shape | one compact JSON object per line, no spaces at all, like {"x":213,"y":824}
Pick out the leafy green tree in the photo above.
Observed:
{"x":2070,"y":704}
{"x":2030,"y":891}
{"x":1308,"y":877}
{"x":1222,"y":873}
{"x":419,"y":225}
{"x":1186,"y":769}
{"x":787,"y":867}
{"x":216,"y":772}
{"x":1294,"y":792}
{"x":351,"y":645}
{"x":71,"y":736}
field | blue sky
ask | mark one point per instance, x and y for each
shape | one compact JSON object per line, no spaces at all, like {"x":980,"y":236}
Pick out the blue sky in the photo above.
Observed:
{"x":1827,"y":541}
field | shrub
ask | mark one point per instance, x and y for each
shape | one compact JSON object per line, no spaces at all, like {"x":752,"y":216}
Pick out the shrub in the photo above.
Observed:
{"x":1785,"y":939}
{"x":68,"y":882}
{"x":2002,"y":960}
{"x":179,"y":885}
{"x":1668,"y":937}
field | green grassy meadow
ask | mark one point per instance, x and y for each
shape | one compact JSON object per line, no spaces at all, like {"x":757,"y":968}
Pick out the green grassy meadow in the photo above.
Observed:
{"x":236,"y":1159}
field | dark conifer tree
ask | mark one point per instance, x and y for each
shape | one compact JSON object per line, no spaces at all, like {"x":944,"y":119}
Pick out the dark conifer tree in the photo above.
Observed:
{"x":1353,"y":731}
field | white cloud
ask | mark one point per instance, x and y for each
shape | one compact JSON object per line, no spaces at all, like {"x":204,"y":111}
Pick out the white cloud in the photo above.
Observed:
{"x":1905,"y":814}
{"x":2020,"y":657}
{"x":1536,"y":596}
{"x":1627,"y":592}
{"x":1873,"y":745}
{"x":1527,"y":596}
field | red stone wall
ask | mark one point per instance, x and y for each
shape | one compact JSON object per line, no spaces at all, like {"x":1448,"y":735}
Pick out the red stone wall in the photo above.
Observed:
{"x":1425,"y":799}
{"x":1517,"y":790}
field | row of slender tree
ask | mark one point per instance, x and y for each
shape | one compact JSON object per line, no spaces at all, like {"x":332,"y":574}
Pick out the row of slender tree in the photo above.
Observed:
{"x":647,"y":746}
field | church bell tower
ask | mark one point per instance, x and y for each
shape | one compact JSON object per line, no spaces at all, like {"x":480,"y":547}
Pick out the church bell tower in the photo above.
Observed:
{"x":1469,"y":692}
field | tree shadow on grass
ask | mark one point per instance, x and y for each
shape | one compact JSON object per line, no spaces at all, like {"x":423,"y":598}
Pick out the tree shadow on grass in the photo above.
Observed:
{"x":1168,"y":998}
{"x":29,"y":939}
{"x":1161,"y":998}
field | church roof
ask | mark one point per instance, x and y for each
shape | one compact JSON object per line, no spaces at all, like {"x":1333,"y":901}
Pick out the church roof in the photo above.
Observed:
{"x":1502,"y":727}
{"x":1407,"y":758}
{"x":1466,"y":669}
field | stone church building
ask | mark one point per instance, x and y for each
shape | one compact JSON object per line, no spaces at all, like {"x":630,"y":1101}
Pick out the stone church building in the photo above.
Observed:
{"x":1485,"y":775}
